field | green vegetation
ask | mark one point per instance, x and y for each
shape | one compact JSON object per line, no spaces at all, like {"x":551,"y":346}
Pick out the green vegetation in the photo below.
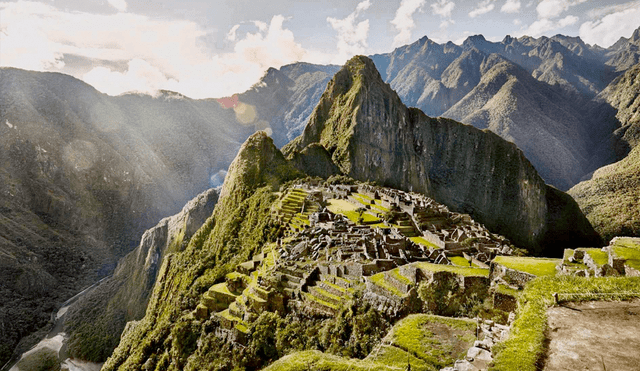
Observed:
{"x":433,"y":341}
{"x":461,"y":261}
{"x":536,"y":266}
{"x":610,"y":198}
{"x":424,"y":242}
{"x":464,"y":271}
{"x":599,"y":257}
{"x":316,"y":360}
{"x":351,"y":211}
{"x":628,"y":249}
{"x":427,"y":342}
{"x":524,"y":348}
{"x":380,"y":279}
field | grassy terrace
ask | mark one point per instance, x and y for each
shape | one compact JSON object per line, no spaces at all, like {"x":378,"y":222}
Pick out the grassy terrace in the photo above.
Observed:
{"x":432,"y":342}
{"x":381,"y":280}
{"x":464,"y":271}
{"x":424,"y":242}
{"x":223,"y":289}
{"x":396,"y":274}
{"x":427,"y":342}
{"x":316,"y":360}
{"x":461,"y":261}
{"x":599,"y":257}
{"x":311,"y":297}
{"x":626,"y":248}
{"x":348,"y":209}
{"x":525,"y":346}
{"x":536,"y":266}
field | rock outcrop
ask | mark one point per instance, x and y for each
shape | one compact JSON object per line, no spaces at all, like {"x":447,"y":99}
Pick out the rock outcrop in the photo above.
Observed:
{"x":371,"y":135}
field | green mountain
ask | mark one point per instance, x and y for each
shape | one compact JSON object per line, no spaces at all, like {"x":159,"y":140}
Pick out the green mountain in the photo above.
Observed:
{"x":609,"y":198}
{"x":236,"y":279}
{"x":372,"y":136}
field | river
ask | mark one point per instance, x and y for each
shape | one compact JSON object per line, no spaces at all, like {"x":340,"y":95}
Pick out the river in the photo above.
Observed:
{"x":53,"y":348}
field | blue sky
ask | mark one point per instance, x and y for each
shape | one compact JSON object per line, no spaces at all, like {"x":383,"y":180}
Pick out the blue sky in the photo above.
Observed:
{"x":217,"y":48}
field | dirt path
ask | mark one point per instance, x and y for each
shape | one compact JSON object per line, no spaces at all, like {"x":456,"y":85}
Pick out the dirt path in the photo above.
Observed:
{"x":594,"y":336}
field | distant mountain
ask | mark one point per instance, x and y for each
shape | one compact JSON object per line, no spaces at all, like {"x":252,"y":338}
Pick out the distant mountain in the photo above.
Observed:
{"x":284,"y":98}
{"x":372,"y":136}
{"x":83,"y":174}
{"x":535,"y":92}
{"x":610,"y":197}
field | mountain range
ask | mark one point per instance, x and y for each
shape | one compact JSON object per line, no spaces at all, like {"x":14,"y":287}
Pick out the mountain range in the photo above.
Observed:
{"x":84,"y":174}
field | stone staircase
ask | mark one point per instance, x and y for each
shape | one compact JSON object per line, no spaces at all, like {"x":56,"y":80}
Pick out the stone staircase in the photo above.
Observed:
{"x":405,"y":225}
{"x":291,"y":204}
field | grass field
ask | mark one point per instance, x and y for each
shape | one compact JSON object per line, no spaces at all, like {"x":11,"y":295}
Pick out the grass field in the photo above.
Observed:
{"x":536,"y":266}
{"x":464,"y":271}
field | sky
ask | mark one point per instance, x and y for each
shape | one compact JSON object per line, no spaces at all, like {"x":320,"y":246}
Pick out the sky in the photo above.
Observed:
{"x":210,"y":49}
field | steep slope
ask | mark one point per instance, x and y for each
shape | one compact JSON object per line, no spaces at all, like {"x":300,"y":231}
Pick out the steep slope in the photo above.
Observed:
{"x":371,"y":135}
{"x":241,"y":223}
{"x":536,"y":117}
{"x":96,"y":321}
{"x":610,"y":197}
{"x":82,"y":175}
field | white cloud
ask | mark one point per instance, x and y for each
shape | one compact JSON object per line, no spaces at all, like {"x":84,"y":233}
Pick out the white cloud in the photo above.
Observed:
{"x":443,"y":8}
{"x":567,"y":21}
{"x":608,"y":29}
{"x":538,"y":28}
{"x":517,"y":22}
{"x":140,"y":77}
{"x":482,"y":8}
{"x":545,"y":26}
{"x":403,"y":20}
{"x":554,"y":8}
{"x":511,"y":6}
{"x":352,"y":35}
{"x":121,"y":5}
{"x":160,"y":53}
{"x":231,"y":35}
{"x":551,"y":8}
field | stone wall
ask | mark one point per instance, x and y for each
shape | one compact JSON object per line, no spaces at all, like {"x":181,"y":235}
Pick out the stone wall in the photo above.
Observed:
{"x":511,"y":276}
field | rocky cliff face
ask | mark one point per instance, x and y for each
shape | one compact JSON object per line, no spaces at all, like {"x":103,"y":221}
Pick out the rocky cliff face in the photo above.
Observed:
{"x":124,"y":296}
{"x":371,"y":135}
{"x":609,"y":197}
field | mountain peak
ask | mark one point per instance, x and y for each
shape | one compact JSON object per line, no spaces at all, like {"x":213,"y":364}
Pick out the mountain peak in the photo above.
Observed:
{"x":361,"y":65}
{"x":257,"y":162}
{"x":635,"y":37}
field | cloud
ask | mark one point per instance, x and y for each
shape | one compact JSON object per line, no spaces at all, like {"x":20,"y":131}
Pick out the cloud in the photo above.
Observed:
{"x":544,"y":26}
{"x":511,"y":6}
{"x":483,"y":7}
{"x":403,"y":20}
{"x":231,"y":35}
{"x":140,"y":76}
{"x":609,"y":28}
{"x":352,"y":35}
{"x":567,"y":21}
{"x":443,"y":8}
{"x":157,"y":53}
{"x":121,"y":5}
{"x":548,"y":9}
